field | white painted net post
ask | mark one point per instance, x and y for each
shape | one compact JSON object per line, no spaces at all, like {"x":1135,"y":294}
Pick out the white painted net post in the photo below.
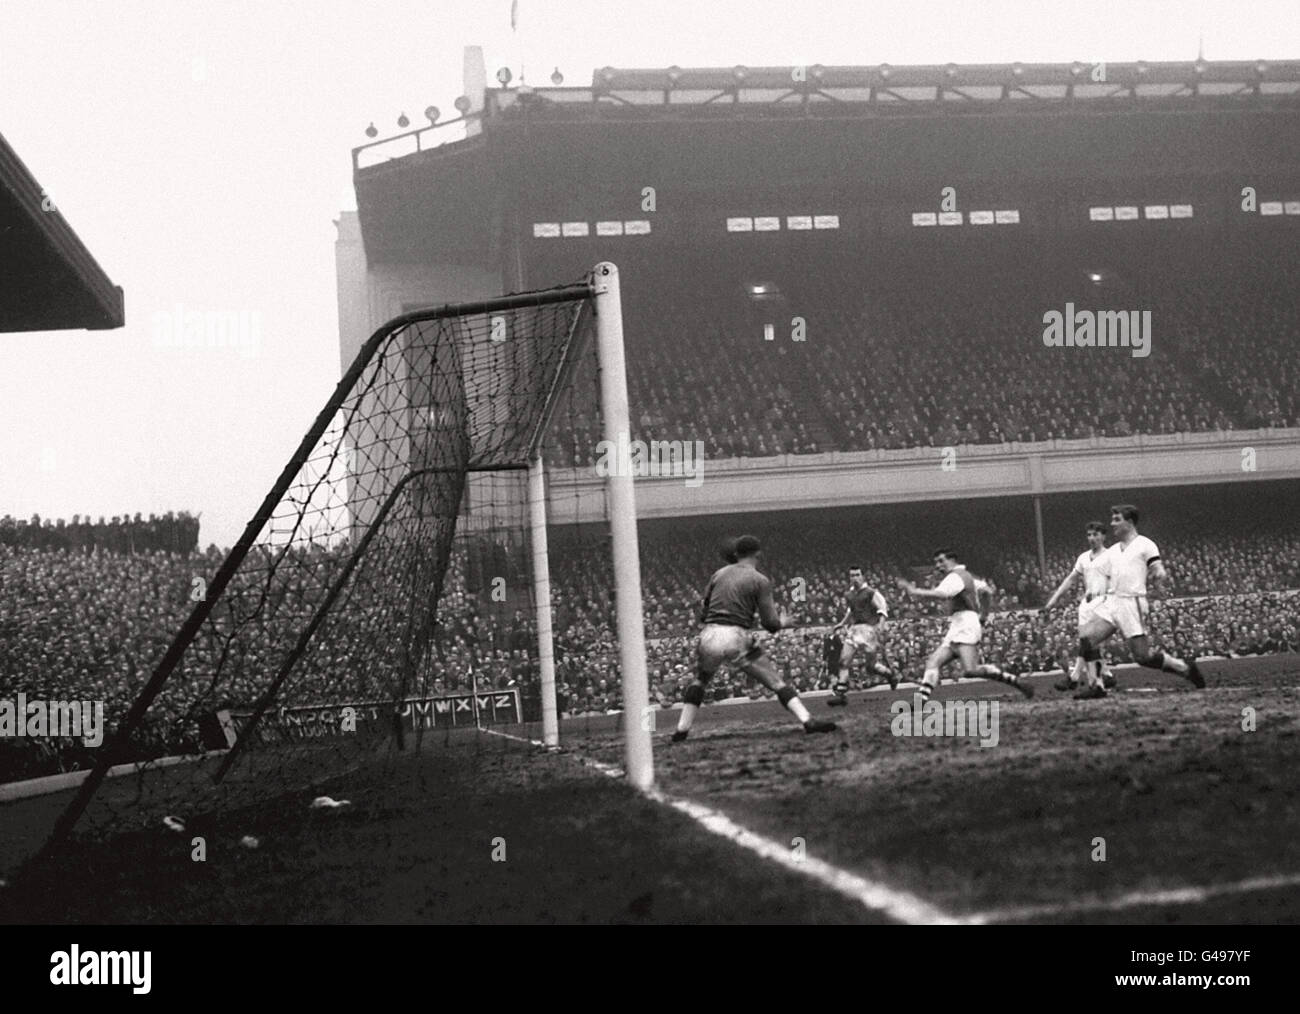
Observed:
{"x":622,"y":523}
{"x":542,"y":598}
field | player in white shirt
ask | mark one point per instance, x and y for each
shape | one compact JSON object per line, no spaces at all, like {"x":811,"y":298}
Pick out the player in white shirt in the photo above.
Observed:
{"x":1124,"y":608}
{"x":1093,"y":567}
{"x":967,"y":597}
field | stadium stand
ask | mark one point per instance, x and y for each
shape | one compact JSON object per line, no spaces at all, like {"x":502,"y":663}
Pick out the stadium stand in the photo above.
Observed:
{"x":88,"y":621}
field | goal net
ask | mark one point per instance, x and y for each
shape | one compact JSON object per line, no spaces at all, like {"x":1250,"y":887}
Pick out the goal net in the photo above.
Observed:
{"x":392,"y":591}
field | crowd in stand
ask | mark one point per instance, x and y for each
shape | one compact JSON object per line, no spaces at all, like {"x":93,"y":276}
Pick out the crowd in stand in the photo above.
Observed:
{"x":121,"y":534}
{"x":91,"y":623}
{"x":942,"y":362}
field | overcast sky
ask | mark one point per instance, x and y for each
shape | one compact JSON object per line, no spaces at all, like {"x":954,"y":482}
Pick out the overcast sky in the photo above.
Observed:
{"x":202,"y":152}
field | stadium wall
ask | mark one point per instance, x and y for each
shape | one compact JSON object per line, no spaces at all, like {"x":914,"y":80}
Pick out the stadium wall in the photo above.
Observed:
{"x":370,"y":294}
{"x":796,"y":482}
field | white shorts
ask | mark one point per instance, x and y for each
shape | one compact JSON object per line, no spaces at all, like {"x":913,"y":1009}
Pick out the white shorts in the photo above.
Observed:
{"x":865,"y":636}
{"x":1128,"y":613}
{"x":964,"y":628}
{"x":1088,"y":608}
{"x":723,"y":645}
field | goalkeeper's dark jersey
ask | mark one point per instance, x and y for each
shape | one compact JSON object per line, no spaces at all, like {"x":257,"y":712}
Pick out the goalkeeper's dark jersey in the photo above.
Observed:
{"x":735,"y":593}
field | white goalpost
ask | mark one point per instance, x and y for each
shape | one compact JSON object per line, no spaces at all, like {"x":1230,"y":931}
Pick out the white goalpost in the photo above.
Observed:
{"x":637,"y":717}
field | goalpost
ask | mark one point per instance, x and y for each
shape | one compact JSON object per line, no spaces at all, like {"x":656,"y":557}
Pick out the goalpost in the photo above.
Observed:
{"x":380,"y":565}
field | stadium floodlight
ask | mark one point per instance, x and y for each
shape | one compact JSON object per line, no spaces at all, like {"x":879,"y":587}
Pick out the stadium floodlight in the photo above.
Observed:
{"x":338,"y":603}
{"x":403,"y":121}
{"x":462,"y":104}
{"x":557,"y":78}
{"x":950,"y":70}
{"x":1076,"y":69}
{"x":372,"y":131}
{"x":431,"y":113}
{"x":1141,"y":68}
{"x":740,"y":73}
{"x":1017,"y":70}
{"x":884,"y":71}
{"x":674,"y":75}
{"x":504,"y":76}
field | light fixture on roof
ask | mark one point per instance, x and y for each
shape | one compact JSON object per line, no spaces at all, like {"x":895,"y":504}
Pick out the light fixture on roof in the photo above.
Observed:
{"x":1076,"y":69}
{"x":371,"y":131}
{"x":817,"y":72}
{"x":504,"y":76}
{"x":462,"y":104}
{"x":431,"y":113}
{"x":950,"y":70}
{"x":403,"y":122}
{"x":557,"y":78}
{"x":1200,"y":66}
{"x":1261,"y":68}
{"x":739,"y":73}
{"x":1017,"y":69}
{"x":884,"y":71}
{"x":1142,"y":67}
{"x":674,"y":75}
{"x":607,"y":75}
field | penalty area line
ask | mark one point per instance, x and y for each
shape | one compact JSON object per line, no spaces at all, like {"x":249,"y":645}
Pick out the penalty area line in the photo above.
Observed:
{"x":1138,"y":899}
{"x":897,"y":904}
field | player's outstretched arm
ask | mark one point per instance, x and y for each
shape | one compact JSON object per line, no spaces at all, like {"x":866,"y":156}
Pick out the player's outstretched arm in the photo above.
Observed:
{"x":1061,"y":589}
{"x":923,"y":593}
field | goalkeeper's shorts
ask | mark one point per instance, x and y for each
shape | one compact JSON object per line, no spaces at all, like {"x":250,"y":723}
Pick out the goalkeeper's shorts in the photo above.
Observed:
{"x":722,"y":645}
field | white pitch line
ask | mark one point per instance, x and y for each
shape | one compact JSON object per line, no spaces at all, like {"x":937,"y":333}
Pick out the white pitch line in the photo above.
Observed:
{"x":1137,"y":899}
{"x":897,"y":904}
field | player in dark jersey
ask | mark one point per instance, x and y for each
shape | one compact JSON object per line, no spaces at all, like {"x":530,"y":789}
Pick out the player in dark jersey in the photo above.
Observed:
{"x":735,"y":593}
{"x":967,"y":597}
{"x":868,"y":611}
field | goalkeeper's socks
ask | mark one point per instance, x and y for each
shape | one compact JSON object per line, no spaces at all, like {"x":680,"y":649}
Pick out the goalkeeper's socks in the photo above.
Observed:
{"x":687,"y":718}
{"x":790,"y":698}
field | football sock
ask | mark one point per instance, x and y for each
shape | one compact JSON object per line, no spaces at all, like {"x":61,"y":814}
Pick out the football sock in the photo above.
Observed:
{"x":1159,"y":660}
{"x":692,"y":698}
{"x":991,"y":672}
{"x":928,"y":682}
{"x":788,"y":697}
{"x":1077,"y":672}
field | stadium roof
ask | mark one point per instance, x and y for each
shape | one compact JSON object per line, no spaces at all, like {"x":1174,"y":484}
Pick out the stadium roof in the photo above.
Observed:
{"x":820,"y":140}
{"x":48,"y":279}
{"x":817,"y":91}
